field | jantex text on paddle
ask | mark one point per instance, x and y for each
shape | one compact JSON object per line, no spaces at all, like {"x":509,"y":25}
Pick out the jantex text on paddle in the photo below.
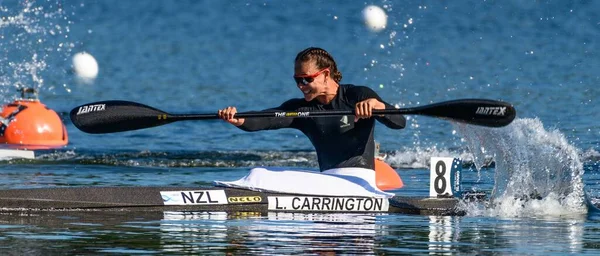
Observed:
{"x":91,"y":108}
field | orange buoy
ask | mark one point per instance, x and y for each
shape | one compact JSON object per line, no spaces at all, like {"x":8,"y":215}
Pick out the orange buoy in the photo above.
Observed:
{"x":386,"y":177}
{"x":29,"y":124}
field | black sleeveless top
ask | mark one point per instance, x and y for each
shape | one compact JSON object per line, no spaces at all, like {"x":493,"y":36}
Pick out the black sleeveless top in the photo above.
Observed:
{"x":338,"y":140}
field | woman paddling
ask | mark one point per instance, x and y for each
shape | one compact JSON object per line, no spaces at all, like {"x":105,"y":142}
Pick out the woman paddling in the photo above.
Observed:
{"x":340,"y":142}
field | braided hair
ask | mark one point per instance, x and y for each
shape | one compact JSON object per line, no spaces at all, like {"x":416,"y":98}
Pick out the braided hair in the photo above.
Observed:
{"x":322,"y":59}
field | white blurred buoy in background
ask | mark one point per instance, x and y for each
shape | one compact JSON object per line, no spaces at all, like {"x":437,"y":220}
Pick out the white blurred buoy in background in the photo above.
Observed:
{"x":85,"y":65}
{"x":375,"y":18}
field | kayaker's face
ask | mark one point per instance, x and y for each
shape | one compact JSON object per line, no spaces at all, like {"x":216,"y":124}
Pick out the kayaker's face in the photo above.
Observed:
{"x":310,"y":80}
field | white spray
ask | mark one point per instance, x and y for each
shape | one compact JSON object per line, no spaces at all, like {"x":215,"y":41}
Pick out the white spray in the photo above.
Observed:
{"x":537,"y":171}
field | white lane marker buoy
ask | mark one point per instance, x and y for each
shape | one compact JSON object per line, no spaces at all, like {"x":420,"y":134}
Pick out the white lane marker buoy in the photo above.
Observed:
{"x":85,"y":65}
{"x":375,"y":18}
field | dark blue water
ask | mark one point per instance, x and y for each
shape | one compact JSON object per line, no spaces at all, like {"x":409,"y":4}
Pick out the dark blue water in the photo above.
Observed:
{"x":199,"y":56}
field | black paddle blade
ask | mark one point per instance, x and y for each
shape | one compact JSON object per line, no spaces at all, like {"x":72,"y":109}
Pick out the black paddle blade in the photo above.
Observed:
{"x":482,"y":112}
{"x":116,"y":116}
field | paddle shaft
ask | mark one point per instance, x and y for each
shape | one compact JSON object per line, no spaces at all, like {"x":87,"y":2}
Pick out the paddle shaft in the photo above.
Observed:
{"x":288,"y":114}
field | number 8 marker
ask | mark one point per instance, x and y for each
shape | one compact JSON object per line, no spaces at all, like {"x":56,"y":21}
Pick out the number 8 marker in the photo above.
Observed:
{"x":444,"y":181}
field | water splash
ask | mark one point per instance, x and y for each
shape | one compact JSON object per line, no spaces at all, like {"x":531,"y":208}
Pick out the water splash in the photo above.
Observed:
{"x":34,"y":35}
{"x":537,"y":171}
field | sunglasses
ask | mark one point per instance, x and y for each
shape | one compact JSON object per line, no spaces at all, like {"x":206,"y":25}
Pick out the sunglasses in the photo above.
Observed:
{"x":307,"y":79}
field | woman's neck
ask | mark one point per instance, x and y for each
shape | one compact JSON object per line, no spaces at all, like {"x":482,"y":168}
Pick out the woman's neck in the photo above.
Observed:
{"x":330,"y":93}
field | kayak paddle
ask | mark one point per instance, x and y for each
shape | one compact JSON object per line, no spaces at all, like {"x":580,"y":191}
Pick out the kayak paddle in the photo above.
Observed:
{"x":118,"y":116}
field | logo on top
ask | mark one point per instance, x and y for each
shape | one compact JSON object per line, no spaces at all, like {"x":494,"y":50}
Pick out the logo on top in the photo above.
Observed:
{"x":344,"y":122}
